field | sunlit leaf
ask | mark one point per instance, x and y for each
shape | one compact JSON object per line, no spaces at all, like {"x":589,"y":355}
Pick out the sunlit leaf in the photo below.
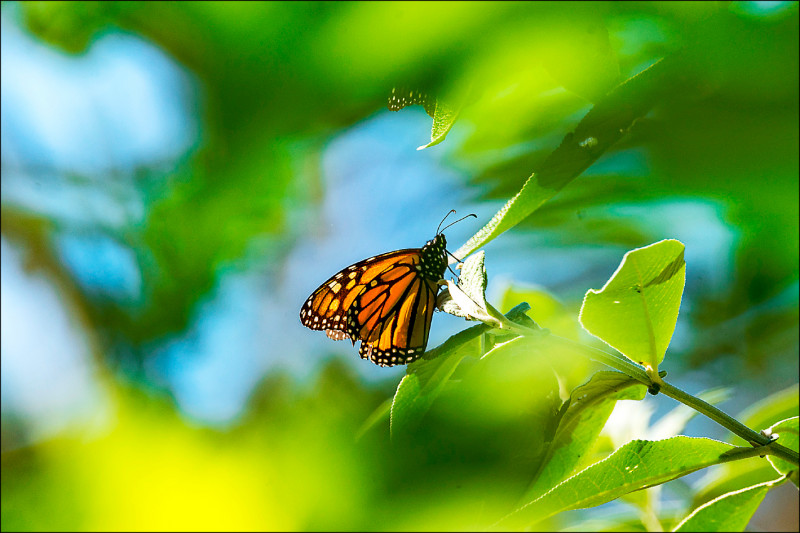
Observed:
{"x":636,"y":310}
{"x":730,"y":477}
{"x":636,"y":465}
{"x":581,"y":58}
{"x":443,"y":119}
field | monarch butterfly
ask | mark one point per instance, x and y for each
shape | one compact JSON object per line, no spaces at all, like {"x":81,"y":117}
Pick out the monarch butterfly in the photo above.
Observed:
{"x":385,"y":301}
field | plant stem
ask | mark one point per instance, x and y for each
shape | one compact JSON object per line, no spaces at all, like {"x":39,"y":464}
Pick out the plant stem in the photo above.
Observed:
{"x":715,"y":414}
{"x":756,"y":439}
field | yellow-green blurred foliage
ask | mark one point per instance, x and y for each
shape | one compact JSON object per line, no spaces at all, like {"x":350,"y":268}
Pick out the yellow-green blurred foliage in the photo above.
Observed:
{"x":276,"y":82}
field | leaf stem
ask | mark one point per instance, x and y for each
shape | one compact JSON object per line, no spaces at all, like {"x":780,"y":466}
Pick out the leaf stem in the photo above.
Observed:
{"x":758,"y":440}
{"x":715,"y":414}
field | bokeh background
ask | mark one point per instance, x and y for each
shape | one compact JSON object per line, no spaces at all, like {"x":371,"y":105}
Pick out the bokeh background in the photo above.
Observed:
{"x":178,"y":177}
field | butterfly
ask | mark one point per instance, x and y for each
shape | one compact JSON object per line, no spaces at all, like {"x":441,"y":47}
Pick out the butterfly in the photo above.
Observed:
{"x":386,"y":302}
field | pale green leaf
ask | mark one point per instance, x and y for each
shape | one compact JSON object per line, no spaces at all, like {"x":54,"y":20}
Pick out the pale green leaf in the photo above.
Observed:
{"x":637,"y":465}
{"x":729,"y":512}
{"x":636,"y":311}
{"x":468,"y":299}
{"x":444,"y":111}
{"x":473,"y":278}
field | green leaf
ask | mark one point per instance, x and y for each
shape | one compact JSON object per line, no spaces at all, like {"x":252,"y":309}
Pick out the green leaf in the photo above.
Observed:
{"x":425,"y":381}
{"x":590,"y":405}
{"x":760,"y":415}
{"x":530,"y":198}
{"x":636,"y":311}
{"x":580,"y":57}
{"x":729,"y":512}
{"x":637,"y":465}
{"x":443,"y":119}
{"x":603,"y":125}
{"x":427,"y":376}
{"x":787,"y":432}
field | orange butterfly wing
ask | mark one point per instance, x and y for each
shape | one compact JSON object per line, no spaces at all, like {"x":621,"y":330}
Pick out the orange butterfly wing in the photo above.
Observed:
{"x":386,"y":302}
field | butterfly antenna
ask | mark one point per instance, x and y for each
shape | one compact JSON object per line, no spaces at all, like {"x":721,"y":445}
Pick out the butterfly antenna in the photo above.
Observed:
{"x":456,"y":222}
{"x":445,"y":218}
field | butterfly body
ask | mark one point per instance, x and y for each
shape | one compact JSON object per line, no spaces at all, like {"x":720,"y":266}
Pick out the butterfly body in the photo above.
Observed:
{"x":386,"y":302}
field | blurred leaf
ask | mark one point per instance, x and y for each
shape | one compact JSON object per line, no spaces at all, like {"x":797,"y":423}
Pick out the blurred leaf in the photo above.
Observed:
{"x":444,"y":111}
{"x":579,"y":55}
{"x":729,"y":512}
{"x":636,"y":310}
{"x":546,"y":310}
{"x":426,"y":377}
{"x":788,"y":437}
{"x":403,"y":97}
{"x":415,"y":394}
{"x":505,"y":407}
{"x":606,"y":123}
{"x":636,"y":465}
{"x":589,"y":408}
{"x":71,"y":25}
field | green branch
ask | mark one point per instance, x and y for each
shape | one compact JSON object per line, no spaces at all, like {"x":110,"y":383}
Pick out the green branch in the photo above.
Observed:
{"x":762,"y":443}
